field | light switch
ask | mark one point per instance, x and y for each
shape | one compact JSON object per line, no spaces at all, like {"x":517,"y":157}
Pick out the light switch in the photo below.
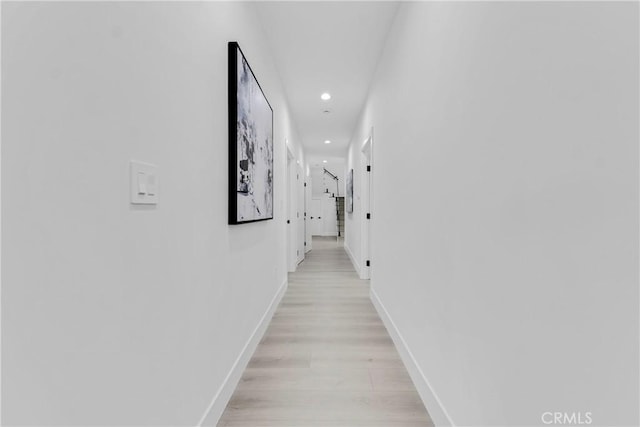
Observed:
{"x":143,"y":183}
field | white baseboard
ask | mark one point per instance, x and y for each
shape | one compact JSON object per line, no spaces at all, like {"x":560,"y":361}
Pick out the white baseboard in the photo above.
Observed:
{"x":347,"y":249}
{"x":430,"y":399}
{"x":219,"y":402}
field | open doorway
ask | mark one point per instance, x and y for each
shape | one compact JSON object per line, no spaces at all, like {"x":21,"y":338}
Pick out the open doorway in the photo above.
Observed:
{"x":325,"y":216}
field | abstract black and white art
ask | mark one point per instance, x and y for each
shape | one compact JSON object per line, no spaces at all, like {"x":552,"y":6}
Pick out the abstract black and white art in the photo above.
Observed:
{"x":250,"y":144}
{"x":350,"y":191}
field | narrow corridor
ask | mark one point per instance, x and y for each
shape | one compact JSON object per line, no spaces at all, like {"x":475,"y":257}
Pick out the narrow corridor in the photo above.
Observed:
{"x":326,"y":359}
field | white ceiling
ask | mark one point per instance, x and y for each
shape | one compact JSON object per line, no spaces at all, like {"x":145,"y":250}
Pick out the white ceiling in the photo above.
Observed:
{"x":326,"y":47}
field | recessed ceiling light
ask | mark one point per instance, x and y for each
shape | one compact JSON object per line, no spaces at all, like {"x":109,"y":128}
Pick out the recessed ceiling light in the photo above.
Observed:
{"x":324,"y":161}
{"x":325,"y":96}
{"x":327,"y":142}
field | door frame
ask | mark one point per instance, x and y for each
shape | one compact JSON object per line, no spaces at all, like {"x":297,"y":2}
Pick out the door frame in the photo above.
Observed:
{"x":366,"y":159}
{"x":299,"y":216}
{"x":291,"y":222}
{"x":307,"y":209}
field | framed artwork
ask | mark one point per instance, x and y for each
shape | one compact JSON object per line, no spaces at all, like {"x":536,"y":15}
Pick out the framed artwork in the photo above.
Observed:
{"x":350,"y":191}
{"x":250,"y":144}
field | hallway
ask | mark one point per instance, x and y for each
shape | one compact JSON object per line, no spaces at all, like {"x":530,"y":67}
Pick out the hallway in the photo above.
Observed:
{"x":326,"y":358}
{"x":165,"y":165}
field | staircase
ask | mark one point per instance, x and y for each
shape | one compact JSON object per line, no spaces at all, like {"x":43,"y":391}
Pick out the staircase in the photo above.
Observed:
{"x":340,"y":214}
{"x":339,"y":203}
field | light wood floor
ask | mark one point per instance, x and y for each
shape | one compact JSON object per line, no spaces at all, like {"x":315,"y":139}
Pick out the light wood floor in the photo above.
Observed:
{"x":326,"y":358}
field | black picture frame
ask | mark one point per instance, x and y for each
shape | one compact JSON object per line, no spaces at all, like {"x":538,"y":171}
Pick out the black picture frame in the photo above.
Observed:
{"x":250,"y":144}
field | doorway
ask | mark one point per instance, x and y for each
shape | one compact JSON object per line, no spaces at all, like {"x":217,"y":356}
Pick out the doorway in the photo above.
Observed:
{"x":308,"y":241}
{"x":291,"y":229}
{"x":294,"y":212}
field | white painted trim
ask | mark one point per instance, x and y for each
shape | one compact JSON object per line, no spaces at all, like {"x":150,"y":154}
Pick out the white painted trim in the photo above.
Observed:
{"x":0,"y":220}
{"x":434,"y":405}
{"x":366,"y":145}
{"x":366,"y":205}
{"x":347,"y":249}
{"x":219,"y":402}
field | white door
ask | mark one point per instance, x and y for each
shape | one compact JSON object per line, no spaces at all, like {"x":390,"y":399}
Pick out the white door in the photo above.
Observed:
{"x":307,"y":215}
{"x":291,"y":213}
{"x":300,"y":214}
{"x":316,"y":217}
{"x":330,"y":218}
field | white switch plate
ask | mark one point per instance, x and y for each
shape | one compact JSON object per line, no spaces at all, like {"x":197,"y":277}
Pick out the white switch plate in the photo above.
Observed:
{"x":143,"y":179}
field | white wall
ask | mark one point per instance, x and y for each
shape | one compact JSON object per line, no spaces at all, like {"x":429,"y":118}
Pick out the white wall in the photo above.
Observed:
{"x":322,"y":181}
{"x":112,"y":314}
{"x":505,"y":214}
{"x":317,"y":181}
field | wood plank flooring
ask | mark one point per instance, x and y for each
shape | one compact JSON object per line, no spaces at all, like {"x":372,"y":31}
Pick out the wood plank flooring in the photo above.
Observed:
{"x":326,"y":358}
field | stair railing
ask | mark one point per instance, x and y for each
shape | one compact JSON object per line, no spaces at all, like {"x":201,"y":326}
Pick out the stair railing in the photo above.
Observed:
{"x":335,"y":195}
